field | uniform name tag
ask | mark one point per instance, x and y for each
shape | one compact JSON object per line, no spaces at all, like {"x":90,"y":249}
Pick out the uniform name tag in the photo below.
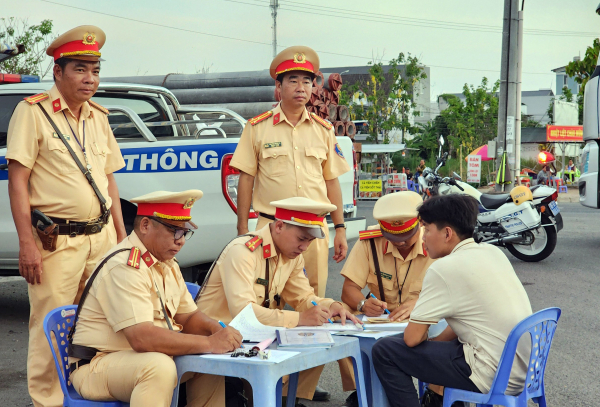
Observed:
{"x":271,"y":145}
{"x":66,"y":136}
{"x":262,"y":281}
{"x":386,"y":276}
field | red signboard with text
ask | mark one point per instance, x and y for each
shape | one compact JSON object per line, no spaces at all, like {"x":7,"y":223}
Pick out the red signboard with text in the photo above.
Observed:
{"x":561,"y":134}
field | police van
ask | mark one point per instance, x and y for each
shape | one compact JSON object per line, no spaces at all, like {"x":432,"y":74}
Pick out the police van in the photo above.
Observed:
{"x":166,"y":146}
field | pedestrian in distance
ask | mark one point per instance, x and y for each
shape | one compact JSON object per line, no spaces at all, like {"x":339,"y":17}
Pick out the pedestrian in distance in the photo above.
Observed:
{"x":61,"y":156}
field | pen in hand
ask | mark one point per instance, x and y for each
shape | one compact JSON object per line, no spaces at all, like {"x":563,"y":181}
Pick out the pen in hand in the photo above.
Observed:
{"x":385,"y":309}
{"x":315,"y":304}
{"x":222,"y":324}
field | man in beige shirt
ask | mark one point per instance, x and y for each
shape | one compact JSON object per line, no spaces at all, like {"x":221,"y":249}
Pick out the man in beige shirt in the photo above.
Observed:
{"x":42,"y":175}
{"x":138,"y":314}
{"x":267,"y":271}
{"x":394,"y":275}
{"x":289,"y":152}
{"x":474,"y":287}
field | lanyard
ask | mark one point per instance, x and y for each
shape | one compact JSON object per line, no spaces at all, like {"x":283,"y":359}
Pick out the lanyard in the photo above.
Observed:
{"x":82,"y":146}
{"x":401,"y":286}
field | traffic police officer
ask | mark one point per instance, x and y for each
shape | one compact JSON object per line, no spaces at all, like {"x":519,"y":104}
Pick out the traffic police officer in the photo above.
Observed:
{"x":288,"y":152}
{"x":43,"y":175}
{"x":138,"y":313}
{"x":394,"y":274}
{"x":267,"y":271}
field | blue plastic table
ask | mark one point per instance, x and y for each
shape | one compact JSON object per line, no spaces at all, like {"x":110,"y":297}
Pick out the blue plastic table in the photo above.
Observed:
{"x":265,"y":378}
{"x":375,"y":394}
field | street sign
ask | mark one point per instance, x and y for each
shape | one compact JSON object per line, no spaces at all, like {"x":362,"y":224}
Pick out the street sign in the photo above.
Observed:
{"x":474,"y":169}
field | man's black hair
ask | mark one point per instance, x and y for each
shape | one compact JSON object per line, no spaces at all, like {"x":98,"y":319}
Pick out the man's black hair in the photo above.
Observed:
{"x":64,"y":61}
{"x":136,"y":222}
{"x":456,"y":211}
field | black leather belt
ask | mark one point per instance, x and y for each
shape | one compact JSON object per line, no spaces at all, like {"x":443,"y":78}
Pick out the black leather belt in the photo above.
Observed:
{"x":270,"y":217}
{"x":74,"y":228}
{"x":74,"y":366}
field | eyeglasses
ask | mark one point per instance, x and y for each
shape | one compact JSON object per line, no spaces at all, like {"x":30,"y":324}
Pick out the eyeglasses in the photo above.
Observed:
{"x":178,"y":233}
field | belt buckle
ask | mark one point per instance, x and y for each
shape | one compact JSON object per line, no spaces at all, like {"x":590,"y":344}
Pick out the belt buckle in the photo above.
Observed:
{"x":93,"y":228}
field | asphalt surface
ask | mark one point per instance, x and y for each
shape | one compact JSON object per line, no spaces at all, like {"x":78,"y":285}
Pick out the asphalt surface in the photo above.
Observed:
{"x":567,"y":279}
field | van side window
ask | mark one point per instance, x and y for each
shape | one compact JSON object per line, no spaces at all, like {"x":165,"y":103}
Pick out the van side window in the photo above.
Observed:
{"x":149,"y":109}
{"x":8,"y":103}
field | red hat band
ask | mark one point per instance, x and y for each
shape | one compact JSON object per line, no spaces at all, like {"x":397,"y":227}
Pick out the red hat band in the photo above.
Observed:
{"x":305,"y":218}
{"x":399,"y":227}
{"x":294,"y":65}
{"x":170,"y":211}
{"x":87,"y":47}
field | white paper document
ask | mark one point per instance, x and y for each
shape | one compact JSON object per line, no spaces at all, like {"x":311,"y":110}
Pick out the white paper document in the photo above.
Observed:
{"x":251,"y":328}
{"x":275,"y":356}
{"x":390,"y":326}
{"x":336,"y":326}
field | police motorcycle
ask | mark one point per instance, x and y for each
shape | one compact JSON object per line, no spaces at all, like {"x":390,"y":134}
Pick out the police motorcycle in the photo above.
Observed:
{"x":525,"y":221}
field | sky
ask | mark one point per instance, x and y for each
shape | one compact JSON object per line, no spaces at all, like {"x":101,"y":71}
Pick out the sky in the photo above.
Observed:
{"x":460,"y":40}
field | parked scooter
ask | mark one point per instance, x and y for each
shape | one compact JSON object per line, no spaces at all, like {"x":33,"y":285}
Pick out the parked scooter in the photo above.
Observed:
{"x":528,"y":229}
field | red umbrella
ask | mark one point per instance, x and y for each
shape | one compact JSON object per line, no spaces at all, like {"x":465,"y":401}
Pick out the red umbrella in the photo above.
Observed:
{"x":483,"y":152}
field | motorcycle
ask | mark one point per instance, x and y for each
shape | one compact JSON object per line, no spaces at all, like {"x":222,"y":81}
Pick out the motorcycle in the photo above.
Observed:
{"x":528,"y":231}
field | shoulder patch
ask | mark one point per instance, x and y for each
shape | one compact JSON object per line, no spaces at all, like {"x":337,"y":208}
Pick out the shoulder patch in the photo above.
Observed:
{"x":369,"y":234}
{"x":134,"y":257}
{"x":99,"y":107}
{"x":322,"y":122}
{"x":32,"y":100}
{"x":260,"y":117}
{"x":254,"y":243}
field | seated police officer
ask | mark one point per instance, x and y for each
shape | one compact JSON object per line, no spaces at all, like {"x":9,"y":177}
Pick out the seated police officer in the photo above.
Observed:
{"x":390,"y":259}
{"x":267,"y":271}
{"x":136,"y":312}
{"x":474,"y":287}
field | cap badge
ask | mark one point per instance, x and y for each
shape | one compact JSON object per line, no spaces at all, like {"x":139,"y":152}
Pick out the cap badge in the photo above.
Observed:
{"x":189,"y":203}
{"x":397,"y":223}
{"x":299,"y":58}
{"x":89,"y":39}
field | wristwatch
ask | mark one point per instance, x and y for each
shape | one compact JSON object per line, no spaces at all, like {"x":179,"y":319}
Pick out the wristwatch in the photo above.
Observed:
{"x":360,"y":305}
{"x":340,"y":225}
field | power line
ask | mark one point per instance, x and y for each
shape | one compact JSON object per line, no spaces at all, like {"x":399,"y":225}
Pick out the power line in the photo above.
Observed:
{"x":318,"y":10}
{"x":258,"y":42}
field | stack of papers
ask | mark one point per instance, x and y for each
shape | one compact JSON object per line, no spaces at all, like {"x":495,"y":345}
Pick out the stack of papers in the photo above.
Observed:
{"x":251,"y":328}
{"x":382,"y":323}
{"x":305,"y":338}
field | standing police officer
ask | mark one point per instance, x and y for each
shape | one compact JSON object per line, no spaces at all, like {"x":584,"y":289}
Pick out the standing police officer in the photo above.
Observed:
{"x":289,"y":152}
{"x":79,"y":221}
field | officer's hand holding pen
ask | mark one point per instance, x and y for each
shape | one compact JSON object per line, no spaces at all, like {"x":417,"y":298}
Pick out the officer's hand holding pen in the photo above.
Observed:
{"x":314,"y":316}
{"x":225,"y":340}
{"x":373,"y":307}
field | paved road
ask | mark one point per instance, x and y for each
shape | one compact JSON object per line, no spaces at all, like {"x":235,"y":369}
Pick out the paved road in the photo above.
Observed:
{"x":568,"y":279}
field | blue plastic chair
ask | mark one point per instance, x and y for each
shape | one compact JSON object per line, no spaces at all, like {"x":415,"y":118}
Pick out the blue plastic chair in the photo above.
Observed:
{"x":59,"y":321}
{"x":541,"y":326}
{"x":193,"y":289}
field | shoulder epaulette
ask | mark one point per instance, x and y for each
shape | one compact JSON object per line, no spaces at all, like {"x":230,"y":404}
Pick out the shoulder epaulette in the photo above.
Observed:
{"x":32,"y":100}
{"x":134,"y":258}
{"x":370,"y":234}
{"x":260,"y":117}
{"x":99,"y":107}
{"x":254,"y":243}
{"x":322,"y":122}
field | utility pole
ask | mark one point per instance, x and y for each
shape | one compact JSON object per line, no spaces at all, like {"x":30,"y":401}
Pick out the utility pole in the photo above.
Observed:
{"x":518,"y":103}
{"x":274,"y":6}
{"x":508,"y":87}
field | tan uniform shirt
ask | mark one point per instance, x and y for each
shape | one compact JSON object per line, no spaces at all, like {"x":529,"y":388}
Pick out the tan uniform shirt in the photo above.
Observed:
{"x":234,"y":283}
{"x":56,"y":185}
{"x":288,"y":160}
{"x":360,"y":268}
{"x":122,"y":296}
{"x":476,"y":290}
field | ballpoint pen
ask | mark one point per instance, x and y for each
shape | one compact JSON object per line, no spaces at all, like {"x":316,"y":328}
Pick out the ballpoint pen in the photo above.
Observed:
{"x":222,"y":324}
{"x":314,"y":303}
{"x":385,"y":309}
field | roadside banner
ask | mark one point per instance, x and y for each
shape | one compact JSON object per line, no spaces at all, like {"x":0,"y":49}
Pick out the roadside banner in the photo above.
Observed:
{"x":370,"y":188}
{"x":474,"y":169}
{"x":564,"y":134}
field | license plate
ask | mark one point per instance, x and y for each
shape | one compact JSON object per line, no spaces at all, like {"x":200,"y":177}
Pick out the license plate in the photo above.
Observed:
{"x":554,"y":208}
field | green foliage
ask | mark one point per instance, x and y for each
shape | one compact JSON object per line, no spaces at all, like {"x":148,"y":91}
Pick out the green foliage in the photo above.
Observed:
{"x":473,"y":122}
{"x":35,"y":38}
{"x":387,"y":99}
{"x":582,"y":70}
{"x":527,"y":121}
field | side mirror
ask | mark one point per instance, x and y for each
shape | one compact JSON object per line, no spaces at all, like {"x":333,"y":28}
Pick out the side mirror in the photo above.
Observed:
{"x":456,"y":176}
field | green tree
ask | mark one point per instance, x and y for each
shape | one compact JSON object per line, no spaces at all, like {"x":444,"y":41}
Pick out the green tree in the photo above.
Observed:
{"x":474,"y":121}
{"x":35,"y":38}
{"x":386,"y":99}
